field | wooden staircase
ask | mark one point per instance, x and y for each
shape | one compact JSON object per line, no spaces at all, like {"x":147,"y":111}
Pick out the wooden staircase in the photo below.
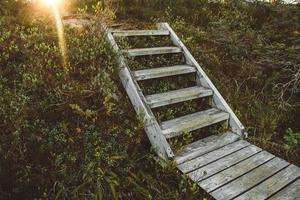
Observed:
{"x":225,"y":166}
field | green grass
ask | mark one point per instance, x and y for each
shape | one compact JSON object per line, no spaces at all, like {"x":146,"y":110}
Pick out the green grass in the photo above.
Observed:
{"x":73,"y":134}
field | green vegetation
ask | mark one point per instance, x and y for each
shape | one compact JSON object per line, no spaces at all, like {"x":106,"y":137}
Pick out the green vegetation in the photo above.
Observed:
{"x":71,"y":133}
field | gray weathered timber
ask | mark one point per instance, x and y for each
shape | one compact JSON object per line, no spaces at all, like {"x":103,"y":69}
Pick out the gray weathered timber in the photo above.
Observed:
{"x":192,"y":122}
{"x":212,"y":156}
{"x":160,"y":72}
{"x":127,"y":33}
{"x":272,"y":184}
{"x":249,"y":180}
{"x":152,"y":129}
{"x":176,"y":96}
{"x":223,"y":163}
{"x":151,"y":51}
{"x":291,"y":192}
{"x":219,"y":101}
{"x":235,"y":171}
{"x":204,"y":146}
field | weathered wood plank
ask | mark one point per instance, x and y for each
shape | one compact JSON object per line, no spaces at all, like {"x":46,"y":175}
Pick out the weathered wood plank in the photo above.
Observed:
{"x":176,"y":96}
{"x":192,"y":122}
{"x":210,"y":157}
{"x":204,"y":146}
{"x":128,"y":33}
{"x":219,"y":101}
{"x":235,"y":171}
{"x":223,"y":163}
{"x":153,"y":131}
{"x":272,"y":184}
{"x":291,"y":192}
{"x":151,"y":51}
{"x":249,"y":180}
{"x":163,"y":72}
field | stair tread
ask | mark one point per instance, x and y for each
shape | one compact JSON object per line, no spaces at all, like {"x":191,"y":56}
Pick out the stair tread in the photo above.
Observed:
{"x":126,"y":33}
{"x":152,"y":51}
{"x":176,"y":96}
{"x":192,"y":122}
{"x":163,"y":72}
{"x":204,"y":146}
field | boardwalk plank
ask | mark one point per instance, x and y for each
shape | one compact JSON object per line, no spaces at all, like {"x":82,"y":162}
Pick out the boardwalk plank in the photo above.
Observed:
{"x":291,"y":192}
{"x":223,"y":163}
{"x":272,"y":184}
{"x":212,"y":156}
{"x":235,"y":171}
{"x":249,"y":180}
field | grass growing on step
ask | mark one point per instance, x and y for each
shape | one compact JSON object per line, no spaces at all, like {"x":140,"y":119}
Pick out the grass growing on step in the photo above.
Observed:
{"x":160,"y":85}
{"x":135,"y":42}
{"x":148,"y":62}
{"x":179,"y":142}
{"x":169,"y":112}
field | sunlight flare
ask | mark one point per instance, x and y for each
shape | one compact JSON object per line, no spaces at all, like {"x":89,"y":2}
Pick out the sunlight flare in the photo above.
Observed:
{"x":61,"y":37}
{"x":60,"y":29}
{"x":51,"y":2}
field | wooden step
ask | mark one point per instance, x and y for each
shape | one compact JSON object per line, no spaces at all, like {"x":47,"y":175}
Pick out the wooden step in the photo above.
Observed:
{"x":128,"y":33}
{"x":152,"y":51}
{"x":192,"y":122}
{"x":205,"y":146}
{"x":167,"y":98}
{"x":159,"y":72}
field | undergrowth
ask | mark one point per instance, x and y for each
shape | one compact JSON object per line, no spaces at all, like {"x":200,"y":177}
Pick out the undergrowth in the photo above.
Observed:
{"x":70,"y":132}
{"x":249,"y":50}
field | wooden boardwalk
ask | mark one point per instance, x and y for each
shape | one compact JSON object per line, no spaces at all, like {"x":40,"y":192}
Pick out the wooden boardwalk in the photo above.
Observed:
{"x":226,"y":166}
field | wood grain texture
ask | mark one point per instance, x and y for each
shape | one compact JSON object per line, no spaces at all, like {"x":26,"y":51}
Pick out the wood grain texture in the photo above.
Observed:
{"x":272,"y":184}
{"x":291,"y":192}
{"x":151,"y":51}
{"x":235,"y":171}
{"x":128,"y":33}
{"x":153,"y":131}
{"x":249,"y":180}
{"x":160,"y":72}
{"x":219,"y":101}
{"x":223,"y":163}
{"x":204,"y":146}
{"x":176,"y":96}
{"x":192,"y":122}
{"x":212,"y":156}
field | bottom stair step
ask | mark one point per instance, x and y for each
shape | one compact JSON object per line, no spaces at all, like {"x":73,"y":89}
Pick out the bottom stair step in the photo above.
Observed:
{"x":192,"y":122}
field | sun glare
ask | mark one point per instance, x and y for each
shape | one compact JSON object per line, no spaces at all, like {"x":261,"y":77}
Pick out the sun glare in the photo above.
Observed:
{"x":51,"y":2}
{"x":55,"y":4}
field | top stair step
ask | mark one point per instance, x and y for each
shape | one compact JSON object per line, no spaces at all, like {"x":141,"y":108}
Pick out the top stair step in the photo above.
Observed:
{"x":152,"y":51}
{"x":128,"y":33}
{"x":192,"y":122}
